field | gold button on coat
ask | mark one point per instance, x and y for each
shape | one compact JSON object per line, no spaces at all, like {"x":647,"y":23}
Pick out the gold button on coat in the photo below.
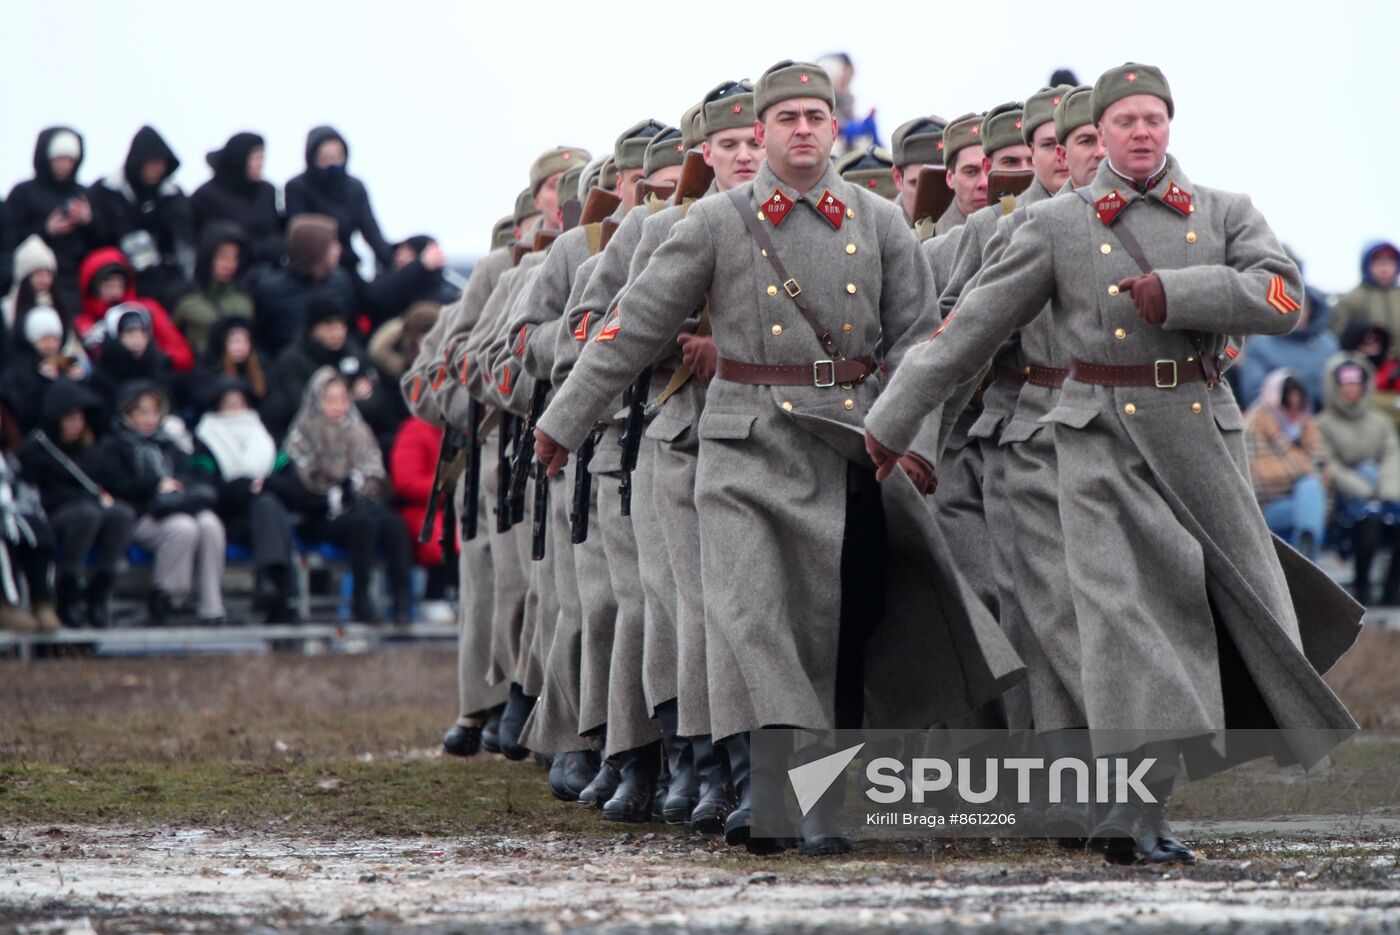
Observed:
{"x":777,"y":329}
{"x":1120,"y":333}
{"x":849,"y":404}
{"x":772,"y":290}
{"x":1195,"y":407}
{"x":762,"y":216}
{"x":850,"y":212}
{"x":787,"y":406}
{"x":847,"y":328}
{"x":1190,"y":236}
{"x":1113,"y":289}
{"x":1105,"y":249}
{"x":1130,"y":409}
{"x":850,"y":248}
{"x":851,"y":288}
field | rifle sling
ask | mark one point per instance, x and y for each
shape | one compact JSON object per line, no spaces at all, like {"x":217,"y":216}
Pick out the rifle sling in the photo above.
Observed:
{"x":682,"y":375}
{"x":790,"y":285}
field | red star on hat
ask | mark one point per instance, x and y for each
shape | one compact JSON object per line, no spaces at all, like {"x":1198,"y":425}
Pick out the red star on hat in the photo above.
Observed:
{"x":804,"y":79}
{"x":738,"y":108}
{"x":565,"y":155}
{"x":938,"y":145}
{"x":1055,"y":101}
{"x":1018,"y":124}
{"x":1132,"y":76}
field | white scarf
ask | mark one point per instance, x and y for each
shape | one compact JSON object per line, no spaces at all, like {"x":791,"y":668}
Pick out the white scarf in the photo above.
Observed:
{"x":239,"y":442}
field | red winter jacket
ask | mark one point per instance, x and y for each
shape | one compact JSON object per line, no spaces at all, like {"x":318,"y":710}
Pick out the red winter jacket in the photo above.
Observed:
{"x":167,"y":337}
{"x":412,"y":464}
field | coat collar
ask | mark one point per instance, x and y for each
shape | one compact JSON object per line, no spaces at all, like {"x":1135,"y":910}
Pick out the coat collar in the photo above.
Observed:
{"x":766,"y":182}
{"x":1172,"y":182}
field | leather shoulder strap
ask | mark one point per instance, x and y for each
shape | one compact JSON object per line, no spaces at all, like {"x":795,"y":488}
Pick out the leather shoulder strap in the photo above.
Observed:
{"x":790,"y":285}
{"x":1125,"y":237}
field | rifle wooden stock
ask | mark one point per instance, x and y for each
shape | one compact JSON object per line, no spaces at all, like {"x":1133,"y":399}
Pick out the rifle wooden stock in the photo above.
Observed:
{"x":517,"y":253}
{"x":571,"y":212}
{"x":543,"y":239}
{"x":447,"y":453}
{"x":696,"y":176}
{"x":1008,"y":183}
{"x":607,"y":229}
{"x":601,"y":204}
{"x":661,"y":190}
{"x":471,"y":476}
{"x":932,"y":196}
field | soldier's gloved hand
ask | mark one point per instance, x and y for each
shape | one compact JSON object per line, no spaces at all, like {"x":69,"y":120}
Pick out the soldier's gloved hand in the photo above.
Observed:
{"x":550,"y":453}
{"x":1149,"y":298}
{"x":700,"y":355}
{"x":920,"y":472}
{"x":884,"y":458}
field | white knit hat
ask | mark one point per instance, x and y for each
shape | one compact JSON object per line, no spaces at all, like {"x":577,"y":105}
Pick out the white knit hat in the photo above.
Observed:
{"x":42,"y":322}
{"x":65,"y":143}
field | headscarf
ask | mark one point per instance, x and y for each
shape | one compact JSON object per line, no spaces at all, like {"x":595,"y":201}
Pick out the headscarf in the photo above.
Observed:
{"x":1274,"y":392}
{"x":327,"y":453}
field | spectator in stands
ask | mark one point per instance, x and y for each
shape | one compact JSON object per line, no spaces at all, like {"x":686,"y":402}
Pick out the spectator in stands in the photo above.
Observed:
{"x":142,"y":465}
{"x":128,"y":353}
{"x":339,"y":487}
{"x":230,"y":353}
{"x":396,"y":344}
{"x":412,"y":466}
{"x":142,"y":212}
{"x":416,"y":277}
{"x":327,"y":343}
{"x":38,"y":359}
{"x":55,"y":207}
{"x":326,"y":188}
{"x":61,"y":458}
{"x":1288,"y":462}
{"x":217,"y":291}
{"x":1364,"y":453}
{"x":312,"y":272}
{"x":1376,"y":300}
{"x":28,"y":543}
{"x":238,"y":195}
{"x":107,"y":280}
{"x":235,"y":455}
{"x":1304,"y":351}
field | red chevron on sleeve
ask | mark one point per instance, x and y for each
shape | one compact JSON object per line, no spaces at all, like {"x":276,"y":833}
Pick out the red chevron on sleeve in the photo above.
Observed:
{"x":1278,"y":297}
{"x":520,"y":342}
{"x":581,"y":332}
{"x":611,"y":329}
{"x":504,"y":384}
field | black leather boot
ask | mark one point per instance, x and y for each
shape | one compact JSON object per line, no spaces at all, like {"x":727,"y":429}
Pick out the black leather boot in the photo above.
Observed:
{"x":362,"y":609}
{"x":403,"y":606}
{"x":98,"y":597}
{"x":683,"y":790}
{"x":633,"y":800}
{"x":556,"y":778}
{"x":716,"y":797}
{"x":602,"y":786}
{"x":491,"y":733}
{"x":580,"y":766}
{"x":1068,"y":821}
{"x":462,"y":740}
{"x":160,"y":608}
{"x":821,"y":831}
{"x":68,"y":595}
{"x":518,"y":709}
{"x":1138,"y":832}
{"x":738,"y":824}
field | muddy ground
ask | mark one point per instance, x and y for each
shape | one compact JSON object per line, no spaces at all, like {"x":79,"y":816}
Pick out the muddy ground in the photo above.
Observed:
{"x":307,"y":793}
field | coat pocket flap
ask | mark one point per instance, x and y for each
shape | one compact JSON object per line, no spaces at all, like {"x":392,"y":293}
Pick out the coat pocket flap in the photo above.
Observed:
{"x":722,"y":426}
{"x":1019,"y":430}
{"x":986,"y":425}
{"x":1228,"y":418}
{"x":667,"y":428}
{"x":1074,"y":417}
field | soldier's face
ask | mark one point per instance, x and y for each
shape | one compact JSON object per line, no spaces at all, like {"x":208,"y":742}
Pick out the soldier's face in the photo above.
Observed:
{"x":547,"y":201}
{"x":1083,"y":151}
{"x":735,"y":155}
{"x":968,"y":179}
{"x":1135,"y":132}
{"x":798,"y":134}
{"x":1047,"y":159}
{"x":906,"y":180}
{"x":1010,"y":159}
{"x":668,"y":176}
{"x":627,"y":181}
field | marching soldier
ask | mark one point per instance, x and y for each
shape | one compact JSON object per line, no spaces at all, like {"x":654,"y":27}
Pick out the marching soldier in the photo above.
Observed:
{"x":967,"y":177}
{"x":807,"y":277}
{"x":871,"y":167}
{"x":913,"y":145}
{"x":1185,"y":605}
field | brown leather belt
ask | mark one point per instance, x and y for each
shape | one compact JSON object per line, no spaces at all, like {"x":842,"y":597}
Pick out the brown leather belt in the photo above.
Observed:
{"x":1162,"y":374}
{"x":821,"y":373}
{"x":1051,"y":378}
{"x":1010,"y":376}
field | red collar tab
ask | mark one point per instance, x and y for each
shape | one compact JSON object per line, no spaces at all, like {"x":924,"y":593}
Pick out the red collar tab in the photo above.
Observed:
{"x":832,"y":208}
{"x":777,"y":206}
{"x":1109,"y":207}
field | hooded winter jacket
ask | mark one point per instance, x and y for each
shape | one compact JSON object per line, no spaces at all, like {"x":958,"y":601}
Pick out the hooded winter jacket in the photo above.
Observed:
{"x":336,"y":193}
{"x":1359,"y":440}
{"x":167,"y":337}
{"x":232,"y":197}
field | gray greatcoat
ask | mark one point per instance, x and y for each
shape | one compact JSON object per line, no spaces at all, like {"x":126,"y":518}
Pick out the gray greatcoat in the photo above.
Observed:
{"x":772,"y":475}
{"x":1168,"y":552}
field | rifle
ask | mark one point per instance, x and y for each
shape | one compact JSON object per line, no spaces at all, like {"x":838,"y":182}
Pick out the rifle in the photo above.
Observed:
{"x":601,"y":204}
{"x":583,"y":488}
{"x":471,"y":475}
{"x":503,"y":441}
{"x":517,"y":253}
{"x":448,"y":451}
{"x":539,"y":522}
{"x":661,"y":191}
{"x":696,"y":177}
{"x":525,"y":449}
{"x":448,"y":540}
{"x":1004,"y":184}
{"x":630,"y":438}
{"x":932,"y":196}
{"x":543,"y":239}
{"x":607,"y":229}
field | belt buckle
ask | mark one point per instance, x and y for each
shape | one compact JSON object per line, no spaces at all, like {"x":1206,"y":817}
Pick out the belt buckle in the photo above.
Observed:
{"x":1161,"y":384}
{"x":817,"y":373}
{"x":792,"y":288}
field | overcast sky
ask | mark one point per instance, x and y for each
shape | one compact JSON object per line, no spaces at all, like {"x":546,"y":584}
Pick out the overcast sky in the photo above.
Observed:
{"x":446,"y":104}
